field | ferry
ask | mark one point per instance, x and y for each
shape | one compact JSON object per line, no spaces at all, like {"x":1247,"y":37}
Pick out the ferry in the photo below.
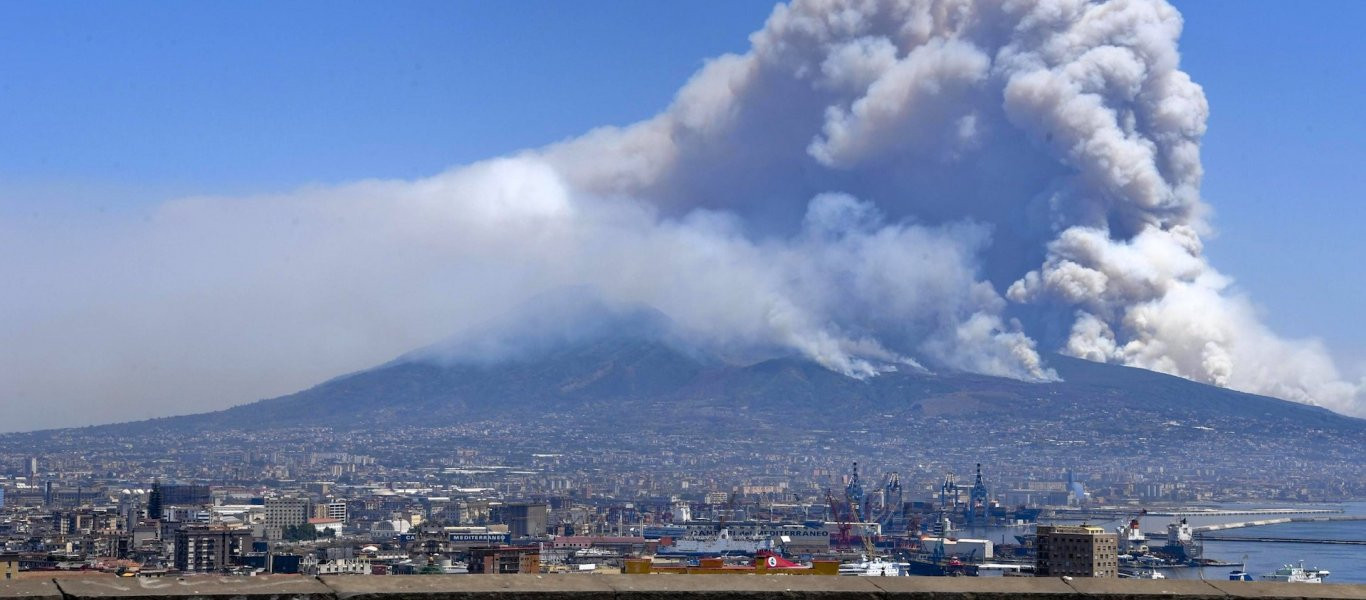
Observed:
{"x":764,"y":563}
{"x":875,"y":567}
{"x":724,"y":544}
{"x":1295,"y":574}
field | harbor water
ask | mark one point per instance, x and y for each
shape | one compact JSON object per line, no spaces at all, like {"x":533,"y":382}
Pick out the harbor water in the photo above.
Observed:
{"x":1347,"y":563}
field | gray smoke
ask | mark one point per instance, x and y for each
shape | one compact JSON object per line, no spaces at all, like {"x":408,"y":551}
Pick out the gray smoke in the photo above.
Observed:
{"x":1066,"y":128}
{"x":875,"y":185}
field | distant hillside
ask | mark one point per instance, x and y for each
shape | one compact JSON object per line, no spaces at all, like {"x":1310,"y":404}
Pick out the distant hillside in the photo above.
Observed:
{"x":639,"y":381}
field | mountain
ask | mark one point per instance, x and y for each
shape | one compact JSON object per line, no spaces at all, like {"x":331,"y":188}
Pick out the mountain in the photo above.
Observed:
{"x":642,"y":381}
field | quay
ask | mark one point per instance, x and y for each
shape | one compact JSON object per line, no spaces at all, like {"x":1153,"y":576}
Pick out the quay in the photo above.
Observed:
{"x":1281,"y":540}
{"x":1253,"y":511}
{"x":1129,"y":512}
{"x":1204,"y":529}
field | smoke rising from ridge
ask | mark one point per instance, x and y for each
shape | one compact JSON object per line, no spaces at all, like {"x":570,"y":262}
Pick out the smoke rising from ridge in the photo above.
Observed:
{"x":875,"y":185}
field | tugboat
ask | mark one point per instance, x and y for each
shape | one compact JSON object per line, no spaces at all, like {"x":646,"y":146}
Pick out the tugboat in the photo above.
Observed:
{"x":1295,"y":574}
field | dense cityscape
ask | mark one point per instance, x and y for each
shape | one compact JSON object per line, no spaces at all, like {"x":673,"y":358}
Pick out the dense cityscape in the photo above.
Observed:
{"x":454,"y":499}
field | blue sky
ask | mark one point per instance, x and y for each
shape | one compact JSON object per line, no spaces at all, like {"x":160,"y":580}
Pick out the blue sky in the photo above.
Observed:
{"x":117,"y":106}
{"x":227,"y":97}
{"x":1284,"y":157}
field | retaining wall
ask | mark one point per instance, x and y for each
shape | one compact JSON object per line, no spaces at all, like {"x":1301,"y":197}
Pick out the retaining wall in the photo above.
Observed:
{"x":652,"y":587}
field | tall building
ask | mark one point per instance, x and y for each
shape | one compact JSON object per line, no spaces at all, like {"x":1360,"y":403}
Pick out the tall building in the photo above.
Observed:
{"x":9,"y":566}
{"x":524,"y":520}
{"x":185,"y":495}
{"x":286,"y":512}
{"x":210,"y":548}
{"x":335,"y":509}
{"x":1076,"y":551}
{"x":154,"y":502}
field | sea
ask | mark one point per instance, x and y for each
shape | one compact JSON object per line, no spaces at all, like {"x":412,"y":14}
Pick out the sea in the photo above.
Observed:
{"x":1347,"y":563}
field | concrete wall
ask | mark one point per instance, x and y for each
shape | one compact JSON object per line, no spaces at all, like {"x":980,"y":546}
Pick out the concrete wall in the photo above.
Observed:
{"x":652,"y":587}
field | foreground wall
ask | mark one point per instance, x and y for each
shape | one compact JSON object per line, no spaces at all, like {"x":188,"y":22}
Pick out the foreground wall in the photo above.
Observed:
{"x":649,"y":587}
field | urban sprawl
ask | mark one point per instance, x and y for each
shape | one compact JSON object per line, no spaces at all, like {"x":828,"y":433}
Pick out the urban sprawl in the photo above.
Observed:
{"x":548,"y":497}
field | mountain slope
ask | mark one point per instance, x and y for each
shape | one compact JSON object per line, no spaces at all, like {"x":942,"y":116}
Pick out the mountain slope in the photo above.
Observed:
{"x":639,"y":381}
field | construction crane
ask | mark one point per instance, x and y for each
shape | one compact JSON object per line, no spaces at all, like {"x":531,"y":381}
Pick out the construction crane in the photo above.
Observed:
{"x":842,"y":540}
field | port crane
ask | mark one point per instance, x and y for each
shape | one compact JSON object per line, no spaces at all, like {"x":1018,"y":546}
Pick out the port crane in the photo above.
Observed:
{"x":842,"y":539}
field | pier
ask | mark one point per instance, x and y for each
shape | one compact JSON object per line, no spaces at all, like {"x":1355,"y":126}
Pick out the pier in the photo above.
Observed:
{"x":1252,"y":511}
{"x":1259,"y":523}
{"x":1129,"y":512}
{"x":1280,"y":540}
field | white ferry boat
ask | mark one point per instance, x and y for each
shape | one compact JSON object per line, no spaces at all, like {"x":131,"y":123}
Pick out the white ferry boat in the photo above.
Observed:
{"x":1295,"y":574}
{"x":877,"y":567}
{"x":724,"y":544}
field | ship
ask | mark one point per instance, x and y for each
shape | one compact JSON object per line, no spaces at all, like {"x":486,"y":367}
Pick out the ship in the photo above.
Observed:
{"x":874,"y":567}
{"x":1295,"y":574}
{"x":764,"y":563}
{"x":940,"y":567}
{"x":1181,"y":543}
{"x":933,"y":561}
{"x":723,"y":544}
{"x":1131,"y":539}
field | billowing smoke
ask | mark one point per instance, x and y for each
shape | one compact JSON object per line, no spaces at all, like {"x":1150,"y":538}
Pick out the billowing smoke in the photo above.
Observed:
{"x":1066,"y":128}
{"x":875,"y":185}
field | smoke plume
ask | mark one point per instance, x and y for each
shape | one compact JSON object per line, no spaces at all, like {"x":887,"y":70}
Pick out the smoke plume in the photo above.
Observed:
{"x":933,"y":185}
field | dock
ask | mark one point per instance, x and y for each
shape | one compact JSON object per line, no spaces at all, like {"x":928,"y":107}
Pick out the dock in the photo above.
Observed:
{"x":1128,"y":512}
{"x":1280,"y":540}
{"x":1262,"y":522}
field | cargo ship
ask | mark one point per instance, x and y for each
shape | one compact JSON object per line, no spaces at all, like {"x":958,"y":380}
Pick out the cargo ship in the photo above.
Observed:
{"x":1181,"y":544}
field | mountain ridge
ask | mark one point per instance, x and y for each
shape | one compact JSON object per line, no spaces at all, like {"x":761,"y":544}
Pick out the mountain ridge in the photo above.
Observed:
{"x":637,"y":378}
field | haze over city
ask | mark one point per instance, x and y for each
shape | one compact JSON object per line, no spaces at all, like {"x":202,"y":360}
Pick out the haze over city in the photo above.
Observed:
{"x":200,"y":208}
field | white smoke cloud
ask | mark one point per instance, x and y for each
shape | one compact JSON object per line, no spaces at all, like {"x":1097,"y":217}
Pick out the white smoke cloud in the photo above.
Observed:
{"x":874,"y":185}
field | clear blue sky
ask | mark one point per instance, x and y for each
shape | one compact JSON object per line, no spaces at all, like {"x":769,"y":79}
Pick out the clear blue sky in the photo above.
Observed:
{"x":226,"y":96}
{"x":117,"y":104}
{"x":1285,"y":157}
